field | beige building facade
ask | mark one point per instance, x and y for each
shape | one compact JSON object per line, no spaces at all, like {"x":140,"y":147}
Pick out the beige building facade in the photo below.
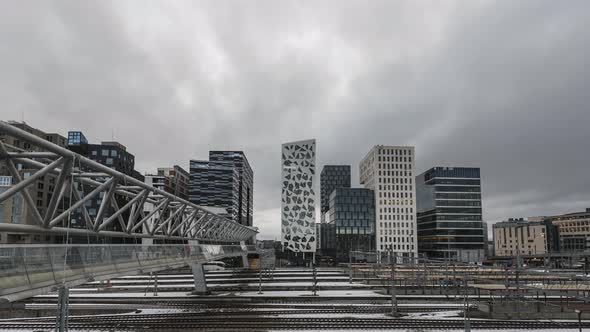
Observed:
{"x":519,"y":236}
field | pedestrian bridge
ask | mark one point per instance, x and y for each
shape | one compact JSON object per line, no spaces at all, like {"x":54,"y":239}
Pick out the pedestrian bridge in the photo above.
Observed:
{"x":29,"y":270}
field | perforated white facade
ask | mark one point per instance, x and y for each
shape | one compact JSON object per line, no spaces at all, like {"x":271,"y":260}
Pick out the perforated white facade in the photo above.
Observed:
{"x":298,"y":224}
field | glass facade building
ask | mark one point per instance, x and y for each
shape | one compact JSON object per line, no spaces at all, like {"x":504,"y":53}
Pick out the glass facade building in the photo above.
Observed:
{"x":450,"y":214}
{"x":225,"y":181}
{"x":215,"y":184}
{"x":573,"y":231}
{"x":332,"y":177}
{"x":110,"y":154}
{"x":351,"y":217}
{"x":238,"y":159}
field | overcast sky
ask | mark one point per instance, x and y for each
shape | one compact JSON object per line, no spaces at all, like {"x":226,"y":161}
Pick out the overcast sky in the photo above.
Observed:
{"x":501,"y":85}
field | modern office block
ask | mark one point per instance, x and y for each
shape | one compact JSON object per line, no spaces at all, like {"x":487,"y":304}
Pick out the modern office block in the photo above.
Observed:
{"x":450,"y":214}
{"x":332,"y":177}
{"x":215,"y":184}
{"x":111,"y":154}
{"x":352,"y":217}
{"x":389,"y":172}
{"x":573,"y":231}
{"x":298,"y":197}
{"x":245,"y":182}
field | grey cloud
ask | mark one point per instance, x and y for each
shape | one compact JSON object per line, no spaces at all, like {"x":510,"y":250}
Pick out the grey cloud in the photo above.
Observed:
{"x":501,"y":85}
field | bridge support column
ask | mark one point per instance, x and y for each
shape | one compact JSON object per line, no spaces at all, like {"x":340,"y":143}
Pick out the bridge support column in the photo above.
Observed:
{"x":199,"y":279}
{"x":245,"y":263}
{"x":61,"y":324}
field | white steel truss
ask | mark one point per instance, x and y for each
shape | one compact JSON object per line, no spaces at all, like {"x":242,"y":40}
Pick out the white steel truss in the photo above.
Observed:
{"x":169,"y":217}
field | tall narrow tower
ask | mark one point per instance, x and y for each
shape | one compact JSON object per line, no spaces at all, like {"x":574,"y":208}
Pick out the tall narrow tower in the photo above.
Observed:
{"x":298,"y":229}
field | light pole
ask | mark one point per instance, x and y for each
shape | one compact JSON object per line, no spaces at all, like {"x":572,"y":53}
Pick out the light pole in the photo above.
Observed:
{"x":394,"y":312}
{"x":579,"y":312}
{"x":518,"y":262}
{"x":467,"y":327}
{"x":350,"y":267}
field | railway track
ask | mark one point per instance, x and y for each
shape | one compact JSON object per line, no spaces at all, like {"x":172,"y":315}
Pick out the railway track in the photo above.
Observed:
{"x":226,"y":314}
{"x":286,"y":323}
{"x":260,"y":309}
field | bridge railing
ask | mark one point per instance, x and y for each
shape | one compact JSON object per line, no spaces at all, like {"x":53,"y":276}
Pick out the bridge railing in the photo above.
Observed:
{"x":35,"y":268}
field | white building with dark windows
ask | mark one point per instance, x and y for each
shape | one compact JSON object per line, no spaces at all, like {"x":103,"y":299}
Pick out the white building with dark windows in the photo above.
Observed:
{"x":389,"y":172}
{"x":298,"y":198}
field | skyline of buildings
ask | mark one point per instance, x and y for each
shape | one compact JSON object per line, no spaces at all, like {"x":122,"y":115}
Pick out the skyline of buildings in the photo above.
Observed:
{"x":402,"y":211}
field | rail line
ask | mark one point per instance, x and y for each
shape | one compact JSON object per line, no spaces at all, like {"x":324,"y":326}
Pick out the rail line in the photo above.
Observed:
{"x":256,"y":323}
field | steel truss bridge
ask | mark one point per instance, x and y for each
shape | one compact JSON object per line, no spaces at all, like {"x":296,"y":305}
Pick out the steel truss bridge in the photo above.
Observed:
{"x":146,"y":213}
{"x":169,"y":217}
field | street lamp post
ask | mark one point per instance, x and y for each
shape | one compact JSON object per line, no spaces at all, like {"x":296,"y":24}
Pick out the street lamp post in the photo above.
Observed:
{"x":579,"y":312}
{"x":467,"y":327}
{"x":394,"y":311}
{"x":350,"y":267}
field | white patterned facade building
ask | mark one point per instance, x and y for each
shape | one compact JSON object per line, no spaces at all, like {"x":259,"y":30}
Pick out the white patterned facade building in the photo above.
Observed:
{"x":389,"y":172}
{"x":298,"y":224}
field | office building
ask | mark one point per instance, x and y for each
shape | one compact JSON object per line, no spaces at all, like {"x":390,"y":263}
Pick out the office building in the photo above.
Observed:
{"x":109,"y":153}
{"x":389,"y":172}
{"x":157,"y":181}
{"x":332,"y":177}
{"x":215,"y":184}
{"x":521,"y":237}
{"x":113,"y":155}
{"x":298,"y":197}
{"x":175,"y":181}
{"x":573,"y":231}
{"x":245,"y":174}
{"x":450,"y":214}
{"x":11,"y":211}
{"x":41,"y":190}
{"x":352,"y":217}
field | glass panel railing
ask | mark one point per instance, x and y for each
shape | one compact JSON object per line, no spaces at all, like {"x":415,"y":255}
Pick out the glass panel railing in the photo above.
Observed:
{"x":26,"y":267}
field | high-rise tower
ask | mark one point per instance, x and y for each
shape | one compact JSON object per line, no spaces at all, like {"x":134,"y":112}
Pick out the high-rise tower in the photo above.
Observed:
{"x":389,"y":172}
{"x":298,"y":197}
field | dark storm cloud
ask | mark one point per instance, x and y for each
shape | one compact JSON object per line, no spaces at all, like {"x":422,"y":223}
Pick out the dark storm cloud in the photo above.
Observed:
{"x":500,"y":85}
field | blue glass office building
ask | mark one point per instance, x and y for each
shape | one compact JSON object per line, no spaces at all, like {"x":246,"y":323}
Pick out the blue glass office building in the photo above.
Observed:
{"x":332,"y":177}
{"x":352,"y":218}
